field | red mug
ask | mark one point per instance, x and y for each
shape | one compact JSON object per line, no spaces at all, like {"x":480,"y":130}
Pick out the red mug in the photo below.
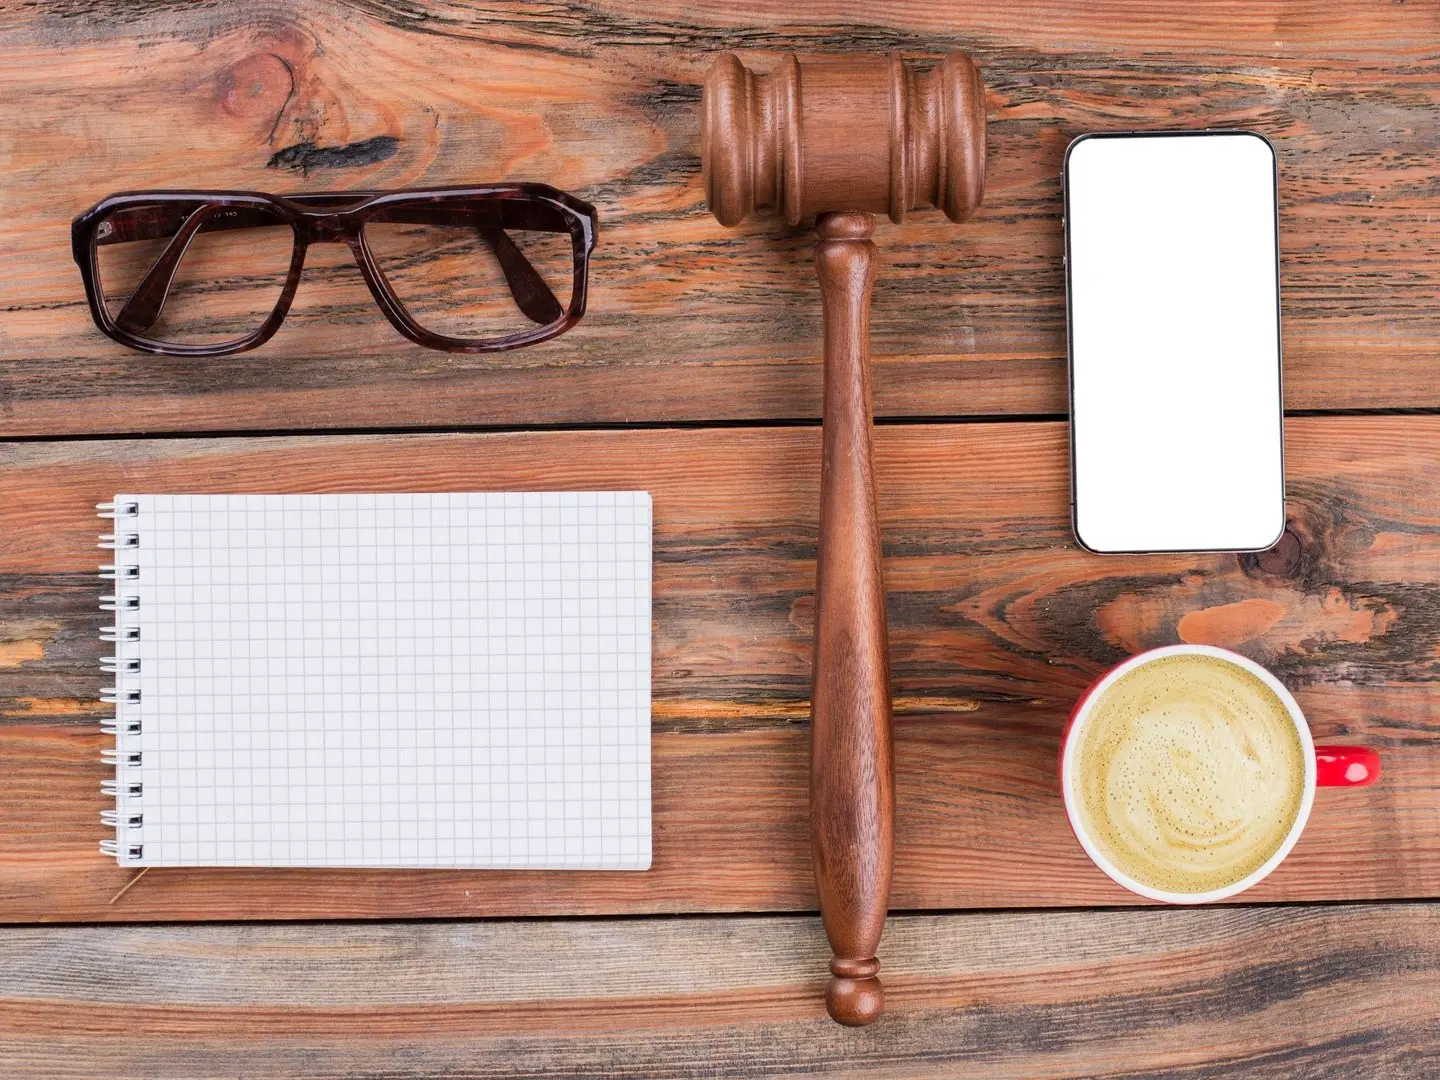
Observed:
{"x":1325,"y":766}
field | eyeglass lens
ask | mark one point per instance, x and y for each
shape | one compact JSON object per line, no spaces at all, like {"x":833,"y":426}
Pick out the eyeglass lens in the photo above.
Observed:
{"x":192,"y":273}
{"x":475,"y":271}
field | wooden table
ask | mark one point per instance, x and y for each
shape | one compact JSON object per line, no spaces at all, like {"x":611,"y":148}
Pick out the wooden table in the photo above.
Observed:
{"x":696,"y":376}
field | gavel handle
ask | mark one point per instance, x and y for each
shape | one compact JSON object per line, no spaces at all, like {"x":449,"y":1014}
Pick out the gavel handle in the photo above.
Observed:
{"x":852,"y":787}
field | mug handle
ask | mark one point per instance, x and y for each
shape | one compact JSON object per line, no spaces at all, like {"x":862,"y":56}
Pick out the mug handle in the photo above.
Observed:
{"x":1346,"y":766}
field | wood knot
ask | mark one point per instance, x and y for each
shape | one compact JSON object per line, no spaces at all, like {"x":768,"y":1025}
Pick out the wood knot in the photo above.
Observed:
{"x":256,"y":89}
{"x":302,"y":157}
{"x":1284,"y":559}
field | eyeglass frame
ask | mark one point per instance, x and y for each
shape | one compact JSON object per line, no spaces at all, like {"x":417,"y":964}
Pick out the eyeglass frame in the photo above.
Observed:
{"x":314,"y":219}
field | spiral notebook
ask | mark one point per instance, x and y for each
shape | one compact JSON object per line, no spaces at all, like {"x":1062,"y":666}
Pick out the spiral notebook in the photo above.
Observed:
{"x":437,"y":680}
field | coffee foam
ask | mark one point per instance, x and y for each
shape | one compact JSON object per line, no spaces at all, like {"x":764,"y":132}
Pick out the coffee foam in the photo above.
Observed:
{"x":1189,"y":773}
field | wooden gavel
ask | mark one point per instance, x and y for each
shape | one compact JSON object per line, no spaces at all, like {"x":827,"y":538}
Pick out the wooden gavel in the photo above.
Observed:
{"x":845,"y":138}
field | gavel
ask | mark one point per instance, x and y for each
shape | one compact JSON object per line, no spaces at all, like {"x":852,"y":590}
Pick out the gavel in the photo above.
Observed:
{"x":844,"y":138}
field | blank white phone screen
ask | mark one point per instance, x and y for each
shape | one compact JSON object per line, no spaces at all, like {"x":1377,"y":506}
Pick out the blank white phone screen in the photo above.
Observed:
{"x":1175,"y":412}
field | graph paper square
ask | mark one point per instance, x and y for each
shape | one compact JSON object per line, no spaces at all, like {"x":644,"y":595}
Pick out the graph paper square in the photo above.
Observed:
{"x":430,"y":680}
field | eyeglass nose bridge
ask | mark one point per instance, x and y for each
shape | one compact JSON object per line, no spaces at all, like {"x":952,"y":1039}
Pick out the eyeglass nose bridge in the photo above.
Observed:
{"x":327,"y":228}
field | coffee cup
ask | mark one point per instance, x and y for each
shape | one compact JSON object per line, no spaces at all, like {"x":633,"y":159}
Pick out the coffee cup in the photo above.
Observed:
{"x":1188,"y":773}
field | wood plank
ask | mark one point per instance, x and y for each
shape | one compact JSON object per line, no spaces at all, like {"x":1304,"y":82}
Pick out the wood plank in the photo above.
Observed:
{"x":688,"y":320}
{"x":1316,"y":992}
{"x":997,"y":623}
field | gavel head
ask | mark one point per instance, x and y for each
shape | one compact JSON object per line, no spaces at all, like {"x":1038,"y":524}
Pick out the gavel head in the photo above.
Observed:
{"x":862,"y":133}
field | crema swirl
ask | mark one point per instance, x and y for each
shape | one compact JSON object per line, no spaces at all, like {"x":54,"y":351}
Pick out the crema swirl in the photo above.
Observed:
{"x":1189,"y":773}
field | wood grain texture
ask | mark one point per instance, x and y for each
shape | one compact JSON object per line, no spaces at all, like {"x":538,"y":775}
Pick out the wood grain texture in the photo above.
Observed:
{"x":686,"y":319}
{"x":997,"y":622}
{"x":1319,"y":993}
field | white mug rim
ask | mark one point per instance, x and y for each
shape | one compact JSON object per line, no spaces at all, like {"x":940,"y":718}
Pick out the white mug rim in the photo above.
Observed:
{"x":1081,"y":717}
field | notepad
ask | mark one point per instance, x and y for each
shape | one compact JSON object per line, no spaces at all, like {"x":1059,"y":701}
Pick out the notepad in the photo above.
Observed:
{"x":424,"y":680}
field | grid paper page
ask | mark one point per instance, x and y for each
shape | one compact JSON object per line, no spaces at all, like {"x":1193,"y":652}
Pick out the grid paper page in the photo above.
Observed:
{"x":440,"y":680}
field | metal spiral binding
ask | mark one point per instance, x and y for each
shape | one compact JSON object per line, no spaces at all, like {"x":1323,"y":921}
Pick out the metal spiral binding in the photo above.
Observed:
{"x":127,"y":787}
{"x":129,"y":852}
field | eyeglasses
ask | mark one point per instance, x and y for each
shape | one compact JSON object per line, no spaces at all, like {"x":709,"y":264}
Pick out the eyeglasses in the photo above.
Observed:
{"x":209,"y":273}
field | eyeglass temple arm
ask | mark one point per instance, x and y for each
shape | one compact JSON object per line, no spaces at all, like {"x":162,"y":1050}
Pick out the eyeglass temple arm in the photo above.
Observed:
{"x":146,"y":302}
{"x":535,"y":299}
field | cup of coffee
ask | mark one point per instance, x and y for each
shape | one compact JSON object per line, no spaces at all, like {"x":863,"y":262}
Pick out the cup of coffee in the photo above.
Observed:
{"x":1188,"y":773}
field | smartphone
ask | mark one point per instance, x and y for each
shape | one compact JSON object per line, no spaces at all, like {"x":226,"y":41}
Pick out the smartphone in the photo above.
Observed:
{"x":1172,"y":289}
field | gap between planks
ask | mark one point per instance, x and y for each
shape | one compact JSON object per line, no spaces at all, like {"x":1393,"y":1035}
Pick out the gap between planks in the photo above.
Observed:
{"x":718,"y":424}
